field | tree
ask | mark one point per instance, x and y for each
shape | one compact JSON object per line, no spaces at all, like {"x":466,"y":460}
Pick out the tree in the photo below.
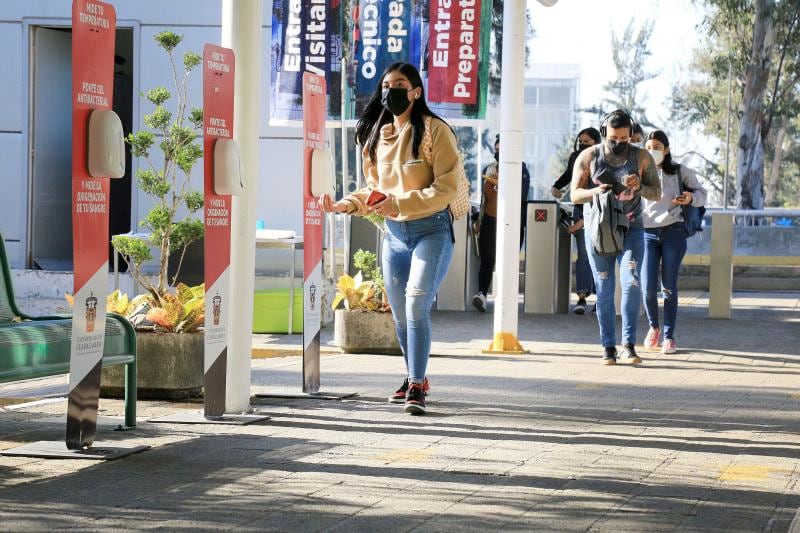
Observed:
{"x":630,"y":54}
{"x":169,"y":185}
{"x":496,"y":48}
{"x":762,"y":51}
{"x":752,"y":129}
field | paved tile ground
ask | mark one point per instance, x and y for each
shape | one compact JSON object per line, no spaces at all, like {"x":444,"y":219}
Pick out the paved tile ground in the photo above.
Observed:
{"x":707,"y":439}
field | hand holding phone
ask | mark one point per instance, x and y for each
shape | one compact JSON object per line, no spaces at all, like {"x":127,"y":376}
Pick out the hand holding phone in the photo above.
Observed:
{"x":632,"y":181}
{"x":607,"y":177}
{"x":375,"y":197}
{"x":683,"y":199}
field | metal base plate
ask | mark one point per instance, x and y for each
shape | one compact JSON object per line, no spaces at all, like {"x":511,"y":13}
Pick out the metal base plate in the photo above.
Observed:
{"x":58,"y":450}
{"x":197,"y":417}
{"x":309,"y":396}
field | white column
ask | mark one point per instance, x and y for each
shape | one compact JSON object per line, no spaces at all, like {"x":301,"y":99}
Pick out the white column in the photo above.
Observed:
{"x":512,"y":103}
{"x":241,"y":31}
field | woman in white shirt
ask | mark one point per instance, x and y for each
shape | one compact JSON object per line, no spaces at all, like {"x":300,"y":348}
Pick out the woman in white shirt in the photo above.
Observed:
{"x":665,"y":239}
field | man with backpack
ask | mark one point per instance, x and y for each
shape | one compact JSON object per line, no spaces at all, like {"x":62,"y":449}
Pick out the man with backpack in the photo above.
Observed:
{"x":612,"y":178}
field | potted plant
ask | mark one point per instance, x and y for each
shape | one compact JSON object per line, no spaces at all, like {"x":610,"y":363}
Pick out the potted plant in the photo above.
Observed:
{"x":364,"y":324}
{"x":174,"y":131}
{"x":169,"y":345}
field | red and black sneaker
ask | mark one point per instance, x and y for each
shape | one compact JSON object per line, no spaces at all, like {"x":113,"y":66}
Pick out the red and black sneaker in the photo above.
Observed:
{"x":415,"y":399}
{"x":399,"y":395}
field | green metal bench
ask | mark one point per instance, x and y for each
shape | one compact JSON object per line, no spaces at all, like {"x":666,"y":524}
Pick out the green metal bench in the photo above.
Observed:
{"x":36,"y":347}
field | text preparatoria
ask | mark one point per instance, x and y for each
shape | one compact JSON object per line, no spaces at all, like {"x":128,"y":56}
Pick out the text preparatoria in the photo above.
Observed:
{"x":455,"y":45}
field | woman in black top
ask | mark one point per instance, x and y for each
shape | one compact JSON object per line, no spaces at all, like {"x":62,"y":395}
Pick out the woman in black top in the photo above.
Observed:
{"x":583,"y":272}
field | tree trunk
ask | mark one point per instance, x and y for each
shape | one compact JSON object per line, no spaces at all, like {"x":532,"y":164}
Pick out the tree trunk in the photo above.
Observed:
{"x":775,"y":170}
{"x":750,"y":148}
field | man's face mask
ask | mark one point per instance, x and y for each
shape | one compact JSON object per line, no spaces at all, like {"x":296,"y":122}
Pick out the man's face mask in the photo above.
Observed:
{"x":658,"y":156}
{"x":395,"y":100}
{"x":617,"y":147}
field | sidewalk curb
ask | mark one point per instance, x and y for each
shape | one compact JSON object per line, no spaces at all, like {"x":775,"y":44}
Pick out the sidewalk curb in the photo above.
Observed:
{"x":287,"y":350}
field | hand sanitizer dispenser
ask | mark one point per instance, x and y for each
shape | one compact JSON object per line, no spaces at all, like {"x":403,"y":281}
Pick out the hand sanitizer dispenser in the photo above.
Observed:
{"x":227,"y":168}
{"x":105,"y":145}
{"x":322,"y":173}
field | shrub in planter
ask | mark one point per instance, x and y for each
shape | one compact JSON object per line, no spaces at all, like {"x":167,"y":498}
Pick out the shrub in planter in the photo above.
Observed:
{"x":364,"y":324}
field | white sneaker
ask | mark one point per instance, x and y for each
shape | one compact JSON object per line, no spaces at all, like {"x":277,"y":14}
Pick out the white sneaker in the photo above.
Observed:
{"x":669,"y":346}
{"x":479,"y":301}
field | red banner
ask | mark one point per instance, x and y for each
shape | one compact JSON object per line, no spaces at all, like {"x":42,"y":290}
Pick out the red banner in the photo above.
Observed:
{"x":454,"y":50}
{"x":314,"y":91}
{"x":93,"y":36}
{"x":218,"y":82}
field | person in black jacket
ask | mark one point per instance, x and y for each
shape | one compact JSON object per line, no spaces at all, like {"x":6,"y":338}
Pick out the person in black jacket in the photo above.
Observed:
{"x":583,"y":271}
{"x":485,"y":226}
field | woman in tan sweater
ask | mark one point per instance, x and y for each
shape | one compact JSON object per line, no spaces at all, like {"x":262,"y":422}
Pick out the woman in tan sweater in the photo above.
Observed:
{"x":411,"y":159}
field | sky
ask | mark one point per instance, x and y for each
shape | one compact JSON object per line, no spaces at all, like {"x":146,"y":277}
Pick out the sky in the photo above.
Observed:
{"x":579,"y":31}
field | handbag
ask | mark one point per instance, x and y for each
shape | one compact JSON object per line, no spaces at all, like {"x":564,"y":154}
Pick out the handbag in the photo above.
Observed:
{"x":460,"y":204}
{"x":692,"y":215}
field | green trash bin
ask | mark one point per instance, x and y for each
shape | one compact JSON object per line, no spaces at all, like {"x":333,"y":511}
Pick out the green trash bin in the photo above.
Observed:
{"x":271,"y":311}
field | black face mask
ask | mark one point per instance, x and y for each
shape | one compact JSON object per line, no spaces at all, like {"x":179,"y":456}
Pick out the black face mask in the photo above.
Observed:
{"x":497,"y":156}
{"x":617,"y":147}
{"x":395,"y":100}
{"x":582,"y":147}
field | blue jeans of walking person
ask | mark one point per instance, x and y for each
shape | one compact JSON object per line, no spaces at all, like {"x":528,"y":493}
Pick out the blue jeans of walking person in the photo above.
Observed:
{"x":584,"y":282}
{"x":416,"y":256}
{"x":664,"y":250}
{"x":630,"y":265}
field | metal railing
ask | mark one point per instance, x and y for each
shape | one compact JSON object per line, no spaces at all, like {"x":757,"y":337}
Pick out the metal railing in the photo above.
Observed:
{"x":754,"y":217}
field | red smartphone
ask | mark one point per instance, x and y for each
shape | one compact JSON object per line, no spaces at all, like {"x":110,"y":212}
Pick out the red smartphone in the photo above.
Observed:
{"x":375,"y":197}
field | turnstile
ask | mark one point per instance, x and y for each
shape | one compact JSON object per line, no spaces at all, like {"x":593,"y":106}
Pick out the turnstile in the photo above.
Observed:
{"x":548,"y":265}
{"x":461,"y":282}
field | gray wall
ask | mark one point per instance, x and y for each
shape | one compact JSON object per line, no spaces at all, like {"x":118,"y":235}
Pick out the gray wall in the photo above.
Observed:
{"x":280,"y":184}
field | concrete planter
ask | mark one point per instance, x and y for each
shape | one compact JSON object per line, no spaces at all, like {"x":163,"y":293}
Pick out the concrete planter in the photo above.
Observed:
{"x":365,"y":332}
{"x":170,"y":367}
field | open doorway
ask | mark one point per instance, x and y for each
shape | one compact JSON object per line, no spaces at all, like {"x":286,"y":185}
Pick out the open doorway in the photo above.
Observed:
{"x":50,"y":179}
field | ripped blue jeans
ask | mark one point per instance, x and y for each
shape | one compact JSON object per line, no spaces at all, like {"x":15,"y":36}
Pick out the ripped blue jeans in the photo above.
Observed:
{"x":630,"y":268}
{"x":416,"y":256}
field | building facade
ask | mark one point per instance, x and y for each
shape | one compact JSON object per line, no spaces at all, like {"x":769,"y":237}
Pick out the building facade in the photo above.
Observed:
{"x":551,"y":116}
{"x":35,"y":122}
